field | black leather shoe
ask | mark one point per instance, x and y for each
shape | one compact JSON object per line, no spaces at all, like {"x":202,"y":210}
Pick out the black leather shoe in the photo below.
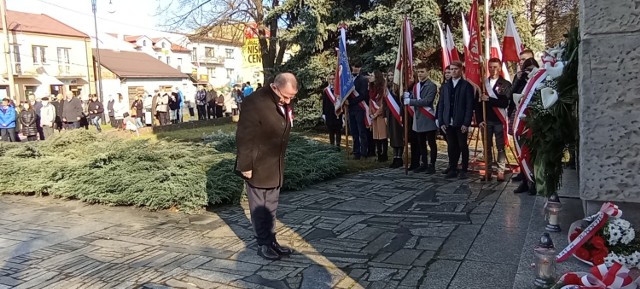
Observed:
{"x":268,"y":253}
{"x":462,"y":175}
{"x":517,"y":178}
{"x":281,"y":250}
{"x":452,"y":174}
{"x":431,"y":169}
{"x":523,"y":187}
{"x":532,"y":190}
{"x":420,"y":169}
{"x":412,"y":167}
{"x":445,"y":172}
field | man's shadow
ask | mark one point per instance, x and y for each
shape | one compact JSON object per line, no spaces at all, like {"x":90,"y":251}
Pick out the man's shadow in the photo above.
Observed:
{"x":295,"y":271}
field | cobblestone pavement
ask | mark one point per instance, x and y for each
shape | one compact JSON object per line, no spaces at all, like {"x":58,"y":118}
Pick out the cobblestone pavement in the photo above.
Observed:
{"x":380,"y":229}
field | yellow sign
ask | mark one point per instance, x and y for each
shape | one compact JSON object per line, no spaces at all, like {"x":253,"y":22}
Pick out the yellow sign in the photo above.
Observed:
{"x":251,"y":54}
{"x":203,"y":77}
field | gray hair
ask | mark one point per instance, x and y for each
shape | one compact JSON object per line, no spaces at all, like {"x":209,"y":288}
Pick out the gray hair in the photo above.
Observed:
{"x":284,"y":78}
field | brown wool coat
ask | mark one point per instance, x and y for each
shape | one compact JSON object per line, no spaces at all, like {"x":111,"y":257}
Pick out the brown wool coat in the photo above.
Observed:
{"x":262,"y":136}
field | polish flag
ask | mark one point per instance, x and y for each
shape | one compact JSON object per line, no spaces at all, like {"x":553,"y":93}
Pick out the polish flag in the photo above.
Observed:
{"x":511,"y":44}
{"x":446,"y":57}
{"x":451,"y":46}
{"x":473,"y":52}
{"x":497,"y":53}
{"x":465,"y":32}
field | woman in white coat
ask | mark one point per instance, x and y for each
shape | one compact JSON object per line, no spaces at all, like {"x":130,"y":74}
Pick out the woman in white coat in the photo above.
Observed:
{"x":119,"y":109}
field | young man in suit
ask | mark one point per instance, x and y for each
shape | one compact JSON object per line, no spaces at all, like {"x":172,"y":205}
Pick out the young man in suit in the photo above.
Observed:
{"x":496,"y":99}
{"x":456,"y":109}
{"x":424,"y":120}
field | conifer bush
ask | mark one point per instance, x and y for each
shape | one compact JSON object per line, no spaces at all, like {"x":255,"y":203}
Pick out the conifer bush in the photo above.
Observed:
{"x":110,"y":170}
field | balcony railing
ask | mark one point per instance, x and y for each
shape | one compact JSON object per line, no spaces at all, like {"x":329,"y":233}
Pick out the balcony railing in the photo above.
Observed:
{"x":209,"y":60}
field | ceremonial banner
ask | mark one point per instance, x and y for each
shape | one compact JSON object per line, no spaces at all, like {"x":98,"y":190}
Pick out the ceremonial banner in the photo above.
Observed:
{"x":344,"y":80}
{"x":451,"y":46}
{"x":472,"y":54}
{"x":511,"y":43}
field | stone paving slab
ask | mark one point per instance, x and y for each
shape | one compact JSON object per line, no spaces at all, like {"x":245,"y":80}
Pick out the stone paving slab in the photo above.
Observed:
{"x":378,"y":229}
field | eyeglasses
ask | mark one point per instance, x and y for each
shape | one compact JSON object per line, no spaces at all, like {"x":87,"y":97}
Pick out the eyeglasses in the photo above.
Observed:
{"x":282,"y":94}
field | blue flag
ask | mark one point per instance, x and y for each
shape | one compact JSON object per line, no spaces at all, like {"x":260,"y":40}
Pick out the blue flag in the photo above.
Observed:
{"x":344,"y":80}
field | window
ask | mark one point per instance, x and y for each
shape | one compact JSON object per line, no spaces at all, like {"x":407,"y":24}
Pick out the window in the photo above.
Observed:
{"x":194,"y":54}
{"x":160,"y":58}
{"x":64,"y":62}
{"x":229,"y":53}
{"x":211,"y":71}
{"x":144,"y":43}
{"x":209,"y":52}
{"x":179,"y":63}
{"x":230,"y":73}
{"x":16,"y":53}
{"x":162,"y":44}
{"x":39,"y":53}
{"x":168,"y":60}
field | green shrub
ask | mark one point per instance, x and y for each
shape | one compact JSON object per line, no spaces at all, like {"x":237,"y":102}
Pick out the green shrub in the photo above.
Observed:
{"x":157,"y":175}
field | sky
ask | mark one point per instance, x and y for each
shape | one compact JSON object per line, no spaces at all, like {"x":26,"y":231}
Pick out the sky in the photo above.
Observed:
{"x":128,"y":17}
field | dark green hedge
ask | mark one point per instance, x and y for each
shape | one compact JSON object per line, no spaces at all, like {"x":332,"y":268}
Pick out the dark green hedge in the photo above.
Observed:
{"x":154,"y":174}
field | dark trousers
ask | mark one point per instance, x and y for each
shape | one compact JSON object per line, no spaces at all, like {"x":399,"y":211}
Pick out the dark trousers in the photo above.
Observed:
{"x":382,"y":146}
{"x":457,"y":145}
{"x":372,"y":143}
{"x":496,"y":129}
{"x":8,"y":134}
{"x":219,"y":111}
{"x":397,"y":152}
{"x":163,"y":117}
{"x":414,"y":160}
{"x":423,"y":139}
{"x":202,"y":112}
{"x":71,"y":125}
{"x":263,"y":204}
{"x":335,"y":134}
{"x":211,"y":111}
{"x":359,"y":133}
{"x":112,"y":121}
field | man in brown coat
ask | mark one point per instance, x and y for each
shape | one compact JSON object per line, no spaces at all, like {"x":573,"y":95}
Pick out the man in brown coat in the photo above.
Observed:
{"x":262,"y":137}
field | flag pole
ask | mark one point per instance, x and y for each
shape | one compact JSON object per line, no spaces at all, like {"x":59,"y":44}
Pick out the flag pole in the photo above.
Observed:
{"x":346,"y":127}
{"x":485,"y":137}
{"x":405,"y":63}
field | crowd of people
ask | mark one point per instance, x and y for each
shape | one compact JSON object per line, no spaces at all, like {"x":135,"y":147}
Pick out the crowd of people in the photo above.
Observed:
{"x":39,"y":118}
{"x":375,"y":117}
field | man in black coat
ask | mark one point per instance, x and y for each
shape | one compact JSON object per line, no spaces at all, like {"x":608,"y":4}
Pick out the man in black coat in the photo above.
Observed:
{"x":333,"y":121}
{"x":111,"y":111}
{"x":262,"y":136}
{"x":357,"y":114}
{"x":496,"y":101}
{"x":455,"y":112}
{"x":71,"y":111}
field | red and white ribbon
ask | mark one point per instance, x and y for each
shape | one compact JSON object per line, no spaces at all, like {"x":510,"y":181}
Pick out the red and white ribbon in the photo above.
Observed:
{"x":597,"y":221}
{"x":500,"y":112}
{"x":426,"y":111}
{"x":290,"y":114}
{"x":330,"y":95}
{"x":368,"y":120}
{"x":393,"y":107}
{"x":600,"y":277}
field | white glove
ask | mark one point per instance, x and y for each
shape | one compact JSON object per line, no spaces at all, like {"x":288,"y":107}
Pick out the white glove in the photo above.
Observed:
{"x":324,"y":117}
{"x":407,"y":94}
{"x":407,"y":101}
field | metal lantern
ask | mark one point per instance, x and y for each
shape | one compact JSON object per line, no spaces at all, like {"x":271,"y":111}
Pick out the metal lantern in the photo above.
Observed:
{"x":545,"y":254}
{"x":553,"y":209}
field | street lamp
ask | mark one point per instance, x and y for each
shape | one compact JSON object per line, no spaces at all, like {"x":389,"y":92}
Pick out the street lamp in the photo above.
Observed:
{"x":95,"y":23}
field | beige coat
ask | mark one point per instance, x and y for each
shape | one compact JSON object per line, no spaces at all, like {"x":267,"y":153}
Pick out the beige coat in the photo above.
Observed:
{"x":379,"y":125}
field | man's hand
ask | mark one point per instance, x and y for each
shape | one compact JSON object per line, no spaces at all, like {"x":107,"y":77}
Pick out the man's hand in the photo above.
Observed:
{"x":485,"y":98}
{"x":443,"y":128}
{"x":482,"y":124}
{"x":64,"y":119}
{"x":247,"y":174}
{"x":78,"y":118}
{"x":464,"y":129}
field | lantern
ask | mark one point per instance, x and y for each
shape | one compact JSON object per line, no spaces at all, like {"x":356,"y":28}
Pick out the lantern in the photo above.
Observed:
{"x":545,"y":254}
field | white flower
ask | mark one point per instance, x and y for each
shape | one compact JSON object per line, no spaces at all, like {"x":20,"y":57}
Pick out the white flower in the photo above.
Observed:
{"x":622,"y":223}
{"x":628,"y":236}
{"x":636,"y":256}
{"x":614,"y":235}
{"x":610,"y":259}
{"x":632,"y":260}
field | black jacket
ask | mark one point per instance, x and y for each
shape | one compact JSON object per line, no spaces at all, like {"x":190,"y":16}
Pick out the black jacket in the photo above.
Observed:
{"x":95,"y":109}
{"x":329,"y":111}
{"x":502,"y":89}
{"x":28,"y":122}
{"x":362,"y":87}
{"x":72,"y":110}
{"x":138,"y":105}
{"x":462,"y":97}
{"x":174,"y":101}
{"x":262,"y":136}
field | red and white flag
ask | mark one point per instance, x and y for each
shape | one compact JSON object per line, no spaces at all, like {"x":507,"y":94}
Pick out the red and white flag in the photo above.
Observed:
{"x":497,"y":53}
{"x":472,"y":53}
{"x":446,"y":53}
{"x":403,"y":74}
{"x":465,"y":32}
{"x":511,"y":44}
{"x":451,"y":46}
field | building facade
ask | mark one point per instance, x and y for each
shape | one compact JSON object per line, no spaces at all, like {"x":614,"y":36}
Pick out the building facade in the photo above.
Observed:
{"x":47,"y":57}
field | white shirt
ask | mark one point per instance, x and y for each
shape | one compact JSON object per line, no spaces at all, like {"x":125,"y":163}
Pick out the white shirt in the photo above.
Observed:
{"x":492,"y":82}
{"x":455,"y":81}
